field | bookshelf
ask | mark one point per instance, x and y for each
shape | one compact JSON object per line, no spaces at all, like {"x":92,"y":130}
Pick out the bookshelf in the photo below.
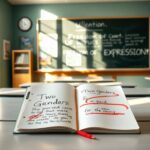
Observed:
{"x":21,"y":67}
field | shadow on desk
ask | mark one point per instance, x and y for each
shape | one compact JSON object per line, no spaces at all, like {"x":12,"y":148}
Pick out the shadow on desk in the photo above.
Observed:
{"x":145,"y":127}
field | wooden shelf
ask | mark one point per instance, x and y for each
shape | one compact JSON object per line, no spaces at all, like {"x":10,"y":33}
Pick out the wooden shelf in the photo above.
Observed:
{"x":21,"y":67}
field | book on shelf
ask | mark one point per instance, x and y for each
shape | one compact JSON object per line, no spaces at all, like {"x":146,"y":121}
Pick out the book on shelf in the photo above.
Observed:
{"x":60,"y":107}
{"x":22,"y":59}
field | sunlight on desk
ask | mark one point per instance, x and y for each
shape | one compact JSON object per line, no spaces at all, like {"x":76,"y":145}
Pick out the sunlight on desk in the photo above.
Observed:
{"x":139,"y":101}
{"x":140,"y":108}
{"x":147,"y":78}
{"x":86,"y":79}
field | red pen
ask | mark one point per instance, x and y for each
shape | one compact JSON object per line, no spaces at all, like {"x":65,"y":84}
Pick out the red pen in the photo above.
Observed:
{"x":87,"y":135}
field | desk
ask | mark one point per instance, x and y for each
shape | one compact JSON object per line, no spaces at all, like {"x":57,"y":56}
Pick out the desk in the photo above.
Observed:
{"x":70,"y":79}
{"x":12,"y":92}
{"x":147,"y":78}
{"x":141,"y":112}
{"x":9,"y":108}
{"x":75,"y":81}
{"x":140,"y":106}
{"x":136,"y":92}
{"x":10,"y":141}
{"x":75,"y":84}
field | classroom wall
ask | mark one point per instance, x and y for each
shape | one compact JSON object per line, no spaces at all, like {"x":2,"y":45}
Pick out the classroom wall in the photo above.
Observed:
{"x":73,"y":10}
{"x":5,"y":34}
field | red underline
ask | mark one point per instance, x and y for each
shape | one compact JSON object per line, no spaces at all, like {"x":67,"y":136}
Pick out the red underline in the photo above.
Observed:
{"x":123,"y":105}
{"x":114,"y":95}
{"x":104,"y":113}
{"x":34,"y":116}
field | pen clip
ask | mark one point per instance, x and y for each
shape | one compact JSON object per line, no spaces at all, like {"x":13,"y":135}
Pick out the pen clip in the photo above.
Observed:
{"x":28,"y":94}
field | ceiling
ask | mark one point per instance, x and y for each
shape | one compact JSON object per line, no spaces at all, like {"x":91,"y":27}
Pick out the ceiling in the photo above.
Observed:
{"x":16,"y":2}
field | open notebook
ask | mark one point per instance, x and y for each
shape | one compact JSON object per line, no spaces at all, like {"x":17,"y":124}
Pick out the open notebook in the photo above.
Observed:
{"x":60,"y":107}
